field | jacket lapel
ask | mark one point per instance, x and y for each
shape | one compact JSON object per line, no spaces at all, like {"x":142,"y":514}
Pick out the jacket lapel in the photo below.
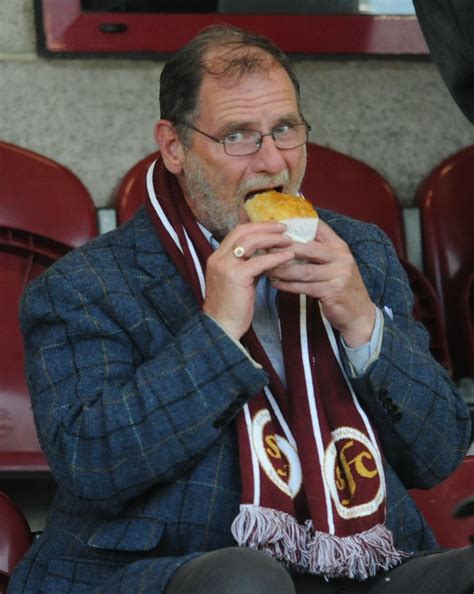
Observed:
{"x":165,"y":289}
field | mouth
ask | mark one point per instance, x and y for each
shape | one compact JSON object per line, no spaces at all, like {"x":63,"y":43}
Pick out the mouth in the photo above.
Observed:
{"x":261,"y":190}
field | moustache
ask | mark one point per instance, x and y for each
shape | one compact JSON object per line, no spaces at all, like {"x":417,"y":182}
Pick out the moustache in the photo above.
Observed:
{"x":264,"y":182}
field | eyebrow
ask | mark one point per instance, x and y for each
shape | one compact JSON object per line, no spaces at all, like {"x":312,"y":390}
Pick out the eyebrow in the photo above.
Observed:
{"x":290,"y":118}
{"x":236,"y":125}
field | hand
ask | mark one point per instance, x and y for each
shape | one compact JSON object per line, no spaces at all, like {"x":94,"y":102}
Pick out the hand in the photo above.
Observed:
{"x":331,"y":275}
{"x":231,"y":281}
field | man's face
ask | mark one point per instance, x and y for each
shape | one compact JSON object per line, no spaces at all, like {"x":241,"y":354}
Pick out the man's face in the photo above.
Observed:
{"x":215,"y":184}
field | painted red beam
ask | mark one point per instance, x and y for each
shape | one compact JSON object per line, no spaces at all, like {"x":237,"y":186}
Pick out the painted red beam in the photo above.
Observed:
{"x":68,"y":29}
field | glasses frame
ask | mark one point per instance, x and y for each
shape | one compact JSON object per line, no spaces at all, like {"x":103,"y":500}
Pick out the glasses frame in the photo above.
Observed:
{"x":259,"y":146}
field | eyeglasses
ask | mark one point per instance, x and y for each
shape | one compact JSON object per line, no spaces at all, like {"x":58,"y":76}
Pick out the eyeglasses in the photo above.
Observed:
{"x":240,"y":143}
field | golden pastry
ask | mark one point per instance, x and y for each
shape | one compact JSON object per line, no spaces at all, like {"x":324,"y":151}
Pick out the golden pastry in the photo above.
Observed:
{"x":296,"y":212}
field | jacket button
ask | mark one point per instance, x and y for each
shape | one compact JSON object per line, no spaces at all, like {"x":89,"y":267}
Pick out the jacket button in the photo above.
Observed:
{"x":220,"y":422}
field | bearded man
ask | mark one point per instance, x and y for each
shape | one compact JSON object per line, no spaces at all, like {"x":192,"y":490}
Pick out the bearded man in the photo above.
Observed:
{"x":226,"y":410}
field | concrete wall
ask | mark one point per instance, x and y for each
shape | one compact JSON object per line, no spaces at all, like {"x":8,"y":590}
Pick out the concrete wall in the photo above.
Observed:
{"x":97,"y":116}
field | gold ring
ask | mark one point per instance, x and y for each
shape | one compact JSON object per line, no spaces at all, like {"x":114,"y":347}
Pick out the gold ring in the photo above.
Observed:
{"x":239,"y":251}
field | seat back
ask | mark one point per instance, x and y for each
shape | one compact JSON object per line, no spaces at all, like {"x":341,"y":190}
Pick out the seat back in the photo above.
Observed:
{"x":131,"y":193}
{"x":446,"y":202}
{"x":349,"y":186}
{"x":45,"y":211}
{"x":439,"y":503}
{"x":15,"y":539}
{"x":346,"y":185}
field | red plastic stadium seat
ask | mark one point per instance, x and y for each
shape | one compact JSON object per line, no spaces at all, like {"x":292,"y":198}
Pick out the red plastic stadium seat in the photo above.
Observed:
{"x":346,"y":185}
{"x":132,"y":193}
{"x":45,"y":211}
{"x":446,"y":201}
{"x":349,"y":186}
{"x":438,"y":504}
{"x":15,"y":539}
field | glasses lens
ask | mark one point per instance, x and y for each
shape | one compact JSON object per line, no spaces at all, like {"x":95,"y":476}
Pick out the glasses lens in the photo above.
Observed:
{"x":242,"y":142}
{"x":291,"y":136}
{"x":246,"y":142}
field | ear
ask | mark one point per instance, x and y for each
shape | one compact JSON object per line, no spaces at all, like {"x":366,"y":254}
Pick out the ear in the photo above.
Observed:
{"x":170,"y":146}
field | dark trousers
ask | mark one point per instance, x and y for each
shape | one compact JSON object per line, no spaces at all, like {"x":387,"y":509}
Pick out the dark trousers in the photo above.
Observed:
{"x":243,"y":571}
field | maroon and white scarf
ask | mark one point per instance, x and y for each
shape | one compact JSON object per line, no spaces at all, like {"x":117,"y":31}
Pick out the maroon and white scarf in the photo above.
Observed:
{"x":313,"y":487}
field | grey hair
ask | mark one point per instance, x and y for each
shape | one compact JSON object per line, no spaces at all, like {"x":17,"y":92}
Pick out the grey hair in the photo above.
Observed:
{"x":240,"y":53}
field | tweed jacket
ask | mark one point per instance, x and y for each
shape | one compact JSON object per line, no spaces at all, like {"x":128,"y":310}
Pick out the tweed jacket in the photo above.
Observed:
{"x":134,"y":393}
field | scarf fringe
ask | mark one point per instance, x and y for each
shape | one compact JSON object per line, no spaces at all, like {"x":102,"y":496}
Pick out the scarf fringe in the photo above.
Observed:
{"x":278,"y":534}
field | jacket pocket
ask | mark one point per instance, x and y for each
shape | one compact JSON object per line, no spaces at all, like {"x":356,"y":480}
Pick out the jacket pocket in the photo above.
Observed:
{"x":128,"y":534}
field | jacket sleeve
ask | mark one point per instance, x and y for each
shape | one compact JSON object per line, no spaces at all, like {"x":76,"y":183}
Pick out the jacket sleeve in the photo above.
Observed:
{"x":421,"y":419}
{"x":110,"y":421}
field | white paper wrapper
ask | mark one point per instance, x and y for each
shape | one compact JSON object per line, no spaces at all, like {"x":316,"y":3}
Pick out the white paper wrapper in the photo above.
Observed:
{"x":301,"y":229}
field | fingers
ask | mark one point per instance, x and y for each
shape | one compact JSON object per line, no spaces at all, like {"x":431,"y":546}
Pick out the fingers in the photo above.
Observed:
{"x":236,"y":236}
{"x":256,"y":245}
{"x":248,"y":245}
{"x":339,"y":287}
{"x":233,"y":269}
{"x":305,"y":272}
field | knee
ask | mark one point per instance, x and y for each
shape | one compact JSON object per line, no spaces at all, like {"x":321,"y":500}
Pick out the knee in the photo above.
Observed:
{"x":233,"y":570}
{"x":252,"y":572}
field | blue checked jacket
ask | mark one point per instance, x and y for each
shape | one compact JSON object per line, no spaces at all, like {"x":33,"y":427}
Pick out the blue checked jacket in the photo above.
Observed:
{"x":134,"y":391}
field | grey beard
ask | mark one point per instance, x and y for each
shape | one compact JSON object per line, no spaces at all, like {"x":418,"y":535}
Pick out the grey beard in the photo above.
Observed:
{"x":209,"y":210}
{"x":217,"y":216}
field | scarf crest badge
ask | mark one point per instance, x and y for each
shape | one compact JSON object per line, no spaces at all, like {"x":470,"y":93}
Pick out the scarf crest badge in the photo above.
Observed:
{"x":349,"y":460}
{"x":313,"y":486}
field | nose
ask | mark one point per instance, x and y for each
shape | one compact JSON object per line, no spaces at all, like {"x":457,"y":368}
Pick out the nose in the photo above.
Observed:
{"x":269,"y":159}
